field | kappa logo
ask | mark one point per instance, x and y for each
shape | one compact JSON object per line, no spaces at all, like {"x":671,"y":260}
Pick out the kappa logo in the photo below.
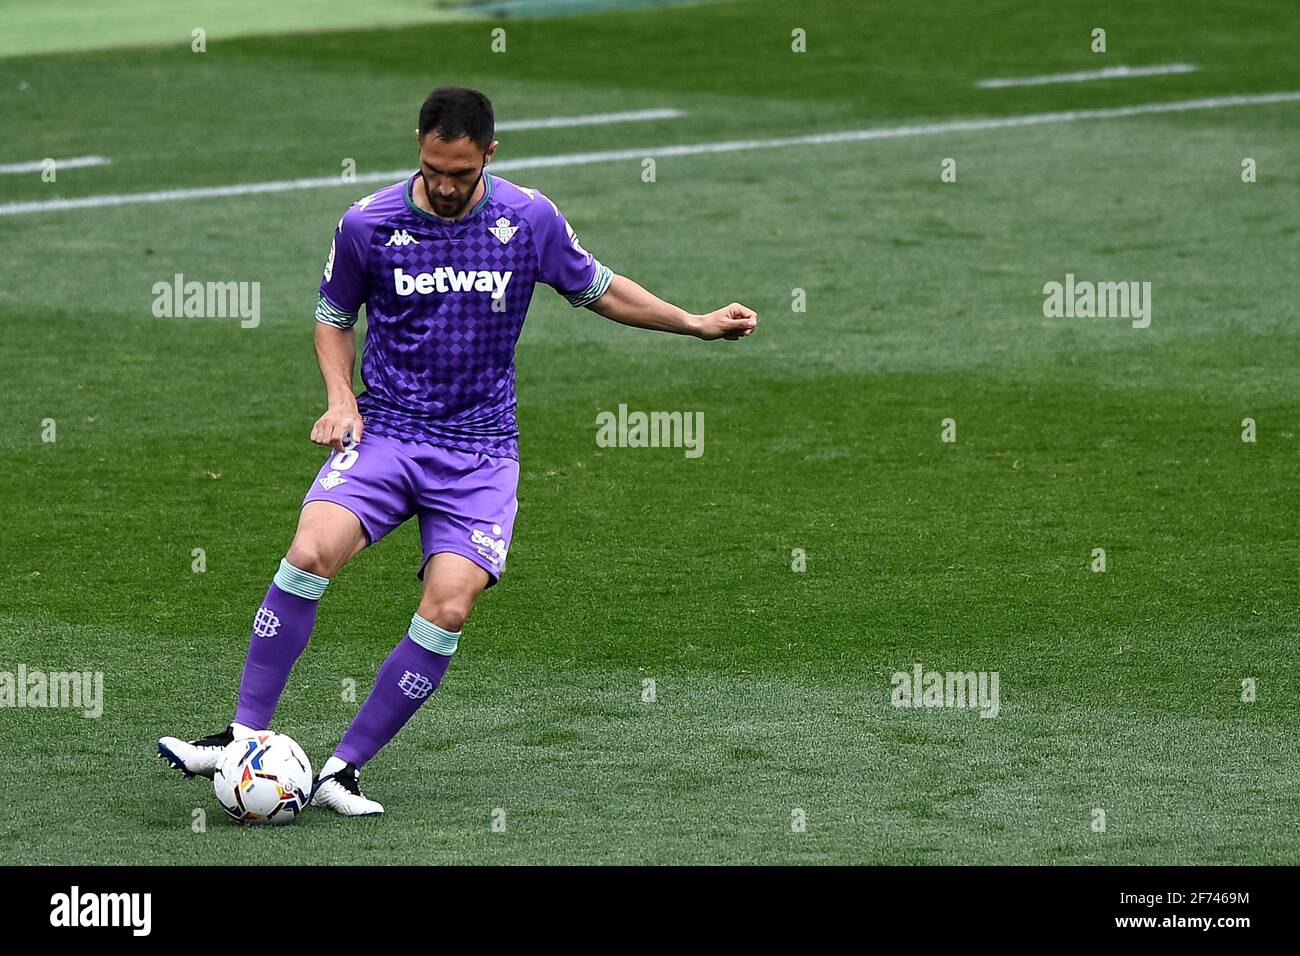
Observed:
{"x":503,"y":230}
{"x":401,"y":237}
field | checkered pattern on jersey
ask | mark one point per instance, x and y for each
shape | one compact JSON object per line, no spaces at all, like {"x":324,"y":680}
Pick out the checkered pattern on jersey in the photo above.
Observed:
{"x":439,"y":366}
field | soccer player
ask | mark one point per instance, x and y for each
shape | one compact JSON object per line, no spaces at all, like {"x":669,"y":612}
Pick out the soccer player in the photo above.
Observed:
{"x":444,"y":262}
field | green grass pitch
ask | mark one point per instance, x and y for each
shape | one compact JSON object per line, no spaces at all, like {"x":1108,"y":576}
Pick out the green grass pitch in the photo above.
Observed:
{"x":1120,"y":691}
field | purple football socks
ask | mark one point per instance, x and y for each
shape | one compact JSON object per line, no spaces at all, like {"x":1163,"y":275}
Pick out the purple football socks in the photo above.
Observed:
{"x":406,"y":679}
{"x":281,"y":629}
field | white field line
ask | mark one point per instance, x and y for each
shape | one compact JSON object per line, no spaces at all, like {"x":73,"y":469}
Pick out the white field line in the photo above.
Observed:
{"x":548,"y":122}
{"x":591,"y":119}
{"x":1110,"y":73}
{"x":691,"y":149}
{"x":75,"y":163}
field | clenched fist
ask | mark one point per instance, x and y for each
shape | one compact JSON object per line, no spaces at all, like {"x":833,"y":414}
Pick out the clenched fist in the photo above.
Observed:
{"x":339,"y":425}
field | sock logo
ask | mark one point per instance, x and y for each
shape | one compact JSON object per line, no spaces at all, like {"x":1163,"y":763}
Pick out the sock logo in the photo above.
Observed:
{"x":265,"y":622}
{"x":445,"y":279}
{"x":415,"y":686}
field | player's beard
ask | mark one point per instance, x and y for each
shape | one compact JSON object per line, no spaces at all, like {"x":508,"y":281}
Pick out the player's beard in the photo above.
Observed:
{"x":430,"y":195}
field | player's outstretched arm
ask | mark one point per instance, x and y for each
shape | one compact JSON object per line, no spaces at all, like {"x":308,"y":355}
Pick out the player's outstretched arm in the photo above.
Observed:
{"x":626,"y":302}
{"x":336,"y":351}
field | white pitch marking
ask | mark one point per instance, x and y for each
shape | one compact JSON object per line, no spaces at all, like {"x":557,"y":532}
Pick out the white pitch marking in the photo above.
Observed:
{"x":690,"y":149}
{"x":591,"y":119}
{"x":1110,"y":73}
{"x":76,"y":162}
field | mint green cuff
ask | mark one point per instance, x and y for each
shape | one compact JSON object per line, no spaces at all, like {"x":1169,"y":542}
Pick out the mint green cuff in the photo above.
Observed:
{"x":599,"y":285}
{"x":304,"y":584}
{"x":432,"y":637}
{"x":326,"y":314}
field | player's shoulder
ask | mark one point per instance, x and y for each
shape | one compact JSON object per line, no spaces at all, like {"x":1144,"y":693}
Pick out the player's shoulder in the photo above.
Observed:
{"x":526,"y":202}
{"x":365,"y":215}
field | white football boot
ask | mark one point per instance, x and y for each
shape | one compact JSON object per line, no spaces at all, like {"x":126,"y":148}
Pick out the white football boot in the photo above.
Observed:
{"x":197,"y":758}
{"x":341,"y":792}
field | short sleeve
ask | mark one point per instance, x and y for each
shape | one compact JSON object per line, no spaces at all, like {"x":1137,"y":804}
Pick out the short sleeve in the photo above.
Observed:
{"x":344,"y":286}
{"x":563,"y":264}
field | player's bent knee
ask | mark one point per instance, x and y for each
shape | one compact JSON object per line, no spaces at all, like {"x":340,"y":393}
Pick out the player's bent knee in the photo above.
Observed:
{"x":327,"y":538}
{"x":450,"y":614}
{"x":308,"y":555}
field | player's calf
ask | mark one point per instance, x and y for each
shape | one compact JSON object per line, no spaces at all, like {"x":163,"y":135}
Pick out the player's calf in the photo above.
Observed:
{"x":406,"y":679}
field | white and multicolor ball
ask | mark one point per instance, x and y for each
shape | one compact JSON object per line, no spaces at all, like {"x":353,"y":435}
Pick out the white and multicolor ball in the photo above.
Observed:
{"x":265,"y":778}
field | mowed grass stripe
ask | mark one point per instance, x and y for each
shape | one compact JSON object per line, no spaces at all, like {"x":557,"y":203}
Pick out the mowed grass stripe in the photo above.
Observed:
{"x":588,"y":771}
{"x":694,"y":149}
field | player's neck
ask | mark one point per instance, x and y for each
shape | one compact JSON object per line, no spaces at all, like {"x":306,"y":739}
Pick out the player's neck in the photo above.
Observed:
{"x":422,"y":198}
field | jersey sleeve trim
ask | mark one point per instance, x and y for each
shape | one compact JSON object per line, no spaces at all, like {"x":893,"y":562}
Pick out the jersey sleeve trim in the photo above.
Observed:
{"x":596,"y":288}
{"x":327,"y":314}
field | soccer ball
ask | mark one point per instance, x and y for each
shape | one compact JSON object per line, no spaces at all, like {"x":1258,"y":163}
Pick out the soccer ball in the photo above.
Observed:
{"x":265,"y":778}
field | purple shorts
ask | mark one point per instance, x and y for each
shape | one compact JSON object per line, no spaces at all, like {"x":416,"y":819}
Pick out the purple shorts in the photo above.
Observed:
{"x":465,"y":500}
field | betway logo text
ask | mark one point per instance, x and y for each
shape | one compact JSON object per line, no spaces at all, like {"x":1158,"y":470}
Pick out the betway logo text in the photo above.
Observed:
{"x":443,"y":279}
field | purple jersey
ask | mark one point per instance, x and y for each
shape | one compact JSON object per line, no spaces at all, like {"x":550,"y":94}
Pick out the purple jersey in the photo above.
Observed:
{"x":445,"y":303}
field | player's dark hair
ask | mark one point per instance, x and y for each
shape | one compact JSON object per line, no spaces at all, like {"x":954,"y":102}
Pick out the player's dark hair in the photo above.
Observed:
{"x":454,"y":112}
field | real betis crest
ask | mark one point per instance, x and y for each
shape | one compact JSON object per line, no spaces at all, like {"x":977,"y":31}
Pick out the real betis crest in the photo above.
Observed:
{"x":503,"y":230}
